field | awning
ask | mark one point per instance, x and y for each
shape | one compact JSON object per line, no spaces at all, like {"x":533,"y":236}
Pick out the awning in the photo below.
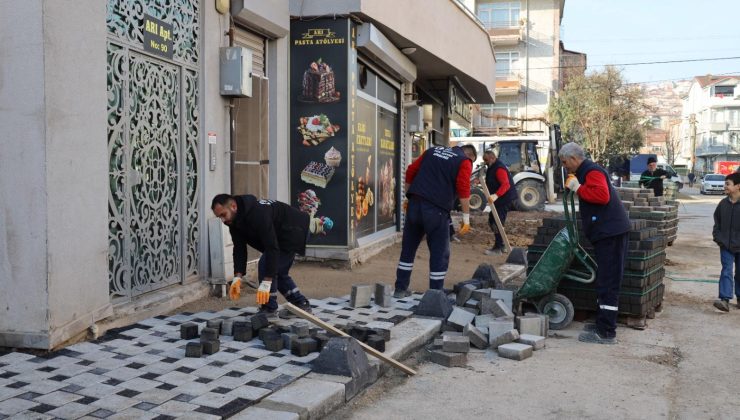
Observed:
{"x":446,"y":38}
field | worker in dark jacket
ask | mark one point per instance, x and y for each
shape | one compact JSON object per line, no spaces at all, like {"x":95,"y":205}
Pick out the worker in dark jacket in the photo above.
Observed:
{"x":726,"y":233}
{"x":606,"y":225}
{"x":653,"y":177}
{"x":432,"y":182}
{"x":273,"y":228}
{"x":502,"y":192}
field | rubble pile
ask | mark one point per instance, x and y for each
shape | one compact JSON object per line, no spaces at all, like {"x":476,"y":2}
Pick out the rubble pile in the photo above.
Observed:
{"x":481,"y":317}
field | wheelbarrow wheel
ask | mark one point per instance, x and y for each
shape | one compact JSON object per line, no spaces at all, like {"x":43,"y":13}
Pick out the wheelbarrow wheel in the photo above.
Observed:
{"x":558,"y":308}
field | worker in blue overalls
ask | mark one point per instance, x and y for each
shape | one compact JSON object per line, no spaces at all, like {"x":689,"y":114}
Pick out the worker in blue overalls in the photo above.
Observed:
{"x":606,"y":225}
{"x":433,"y":181}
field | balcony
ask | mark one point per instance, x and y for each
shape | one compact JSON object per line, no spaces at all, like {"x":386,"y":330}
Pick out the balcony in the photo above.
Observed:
{"x":505,"y":33}
{"x":510,"y":85}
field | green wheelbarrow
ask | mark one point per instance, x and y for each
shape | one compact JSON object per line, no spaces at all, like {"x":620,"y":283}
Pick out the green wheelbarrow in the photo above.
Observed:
{"x":541,"y":284}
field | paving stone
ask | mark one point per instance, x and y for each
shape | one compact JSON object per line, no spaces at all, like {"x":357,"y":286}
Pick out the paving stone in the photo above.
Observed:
{"x":459,"y":318}
{"x":263,"y":332}
{"x":208,"y":334}
{"x":476,"y":337}
{"x":377,"y":342}
{"x":529,"y":324}
{"x":464,"y":293}
{"x":308,"y":398}
{"x":214,"y":323}
{"x":358,"y":332}
{"x":473,"y":304}
{"x":259,"y":321}
{"x":483,"y":320}
{"x":480,"y":293}
{"x":258,"y":413}
{"x":506,"y":295}
{"x":303,"y":346}
{"x":227,"y":327}
{"x":505,"y":338}
{"x":384,"y":333}
{"x":499,"y":326}
{"x":500,"y":309}
{"x":188,"y":331}
{"x":361,"y":295}
{"x":515,"y":351}
{"x":300,"y":329}
{"x":194,"y":349}
{"x":536,"y":341}
{"x":211,"y":347}
{"x":517,"y":255}
{"x":488,"y":276}
{"x":288,"y":339}
{"x":434,"y":304}
{"x":321,"y":340}
{"x":273,"y":341}
{"x":449,"y":359}
{"x":243,"y":334}
{"x":383,"y":295}
{"x":453,"y":344}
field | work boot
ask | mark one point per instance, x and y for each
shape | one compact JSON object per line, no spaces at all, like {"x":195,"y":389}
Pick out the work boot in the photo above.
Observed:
{"x":400,"y":294}
{"x":494,"y":250}
{"x":722,"y":304}
{"x":271,"y":313}
{"x":589,"y":327}
{"x":596,"y":338}
{"x":286,"y":314}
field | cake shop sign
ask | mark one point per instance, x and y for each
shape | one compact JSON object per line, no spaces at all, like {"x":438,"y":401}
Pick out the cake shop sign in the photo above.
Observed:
{"x":323,"y":36}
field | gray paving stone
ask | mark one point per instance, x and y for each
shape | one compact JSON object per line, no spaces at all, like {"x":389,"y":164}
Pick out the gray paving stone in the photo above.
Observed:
{"x":515,"y":351}
{"x":58,"y":398}
{"x":499,"y":309}
{"x":506,"y":295}
{"x":498,"y":327}
{"x":258,"y":413}
{"x":529,"y":324}
{"x":449,"y":359}
{"x":476,"y":337}
{"x":459,"y":318}
{"x":14,"y":406}
{"x":452,"y":344}
{"x":383,"y":295}
{"x":464,"y":293}
{"x":72,"y":410}
{"x":434,"y":304}
{"x":361,"y":295}
{"x":536,"y":341}
{"x":505,"y":338}
{"x":483,"y":320}
{"x":480,"y":293}
{"x":308,"y":398}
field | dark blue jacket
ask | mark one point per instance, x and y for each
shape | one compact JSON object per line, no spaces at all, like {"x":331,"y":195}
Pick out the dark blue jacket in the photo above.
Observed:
{"x":493,"y":184}
{"x":437,"y":176}
{"x":601,"y":221}
{"x":726,"y":231}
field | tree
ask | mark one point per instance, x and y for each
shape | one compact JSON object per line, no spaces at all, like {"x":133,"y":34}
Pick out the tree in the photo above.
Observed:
{"x":603,"y":114}
{"x":672,"y":142}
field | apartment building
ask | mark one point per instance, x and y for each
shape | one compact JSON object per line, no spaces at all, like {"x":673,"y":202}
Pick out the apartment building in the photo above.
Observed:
{"x":710,"y":121}
{"x":526,"y":39}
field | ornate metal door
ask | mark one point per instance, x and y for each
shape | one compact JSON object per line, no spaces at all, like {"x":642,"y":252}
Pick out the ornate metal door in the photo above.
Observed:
{"x":153,"y":143}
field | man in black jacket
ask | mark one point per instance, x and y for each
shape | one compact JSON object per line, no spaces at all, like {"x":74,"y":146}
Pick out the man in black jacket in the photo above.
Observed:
{"x":503,"y":194}
{"x":726,"y":233}
{"x":275,"y":229}
{"x":653,"y":177}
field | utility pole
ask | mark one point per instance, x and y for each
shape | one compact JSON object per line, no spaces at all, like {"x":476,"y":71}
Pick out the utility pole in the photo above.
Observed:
{"x":692,"y":133}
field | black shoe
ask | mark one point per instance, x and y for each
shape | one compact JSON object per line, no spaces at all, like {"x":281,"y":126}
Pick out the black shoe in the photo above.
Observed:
{"x":285,"y":313}
{"x":722,"y":304}
{"x":270,"y":313}
{"x":590,"y":327}
{"x":400,"y":294}
{"x":596,"y":338}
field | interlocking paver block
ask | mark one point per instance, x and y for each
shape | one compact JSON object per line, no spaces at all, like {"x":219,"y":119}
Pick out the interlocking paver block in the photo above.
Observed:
{"x":505,"y":338}
{"x":383,"y":295}
{"x":453,"y":344}
{"x":194,"y":349}
{"x":459,"y":318}
{"x":529,"y":324}
{"x":500,"y":309}
{"x":449,"y":359}
{"x":515,"y":351}
{"x":464,"y":293}
{"x":361,"y":295}
{"x":476,"y":337}
{"x":536,"y":341}
{"x":188,"y":331}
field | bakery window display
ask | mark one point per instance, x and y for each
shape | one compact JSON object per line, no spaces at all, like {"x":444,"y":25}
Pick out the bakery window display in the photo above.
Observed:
{"x":309,"y":202}
{"x":333,"y":157}
{"x":318,"y":84}
{"x":318,"y":174}
{"x":315,"y":129}
{"x":387,"y":186}
{"x":364,"y":198}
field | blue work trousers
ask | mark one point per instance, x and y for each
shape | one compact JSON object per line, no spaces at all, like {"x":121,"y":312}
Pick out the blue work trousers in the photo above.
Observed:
{"x":611,"y":255}
{"x":282,"y":282}
{"x":424,"y":218}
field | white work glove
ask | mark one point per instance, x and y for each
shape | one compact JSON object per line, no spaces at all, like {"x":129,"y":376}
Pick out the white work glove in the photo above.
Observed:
{"x":263,"y":292}
{"x":572,"y":183}
{"x":492,"y":198}
{"x":465,"y":224}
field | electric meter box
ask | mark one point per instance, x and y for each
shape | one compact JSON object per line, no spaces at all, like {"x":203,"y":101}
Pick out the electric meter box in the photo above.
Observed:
{"x":235,"y":71}
{"x":414,"y":119}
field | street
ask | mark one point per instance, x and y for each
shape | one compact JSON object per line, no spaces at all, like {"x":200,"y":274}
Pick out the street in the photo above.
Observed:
{"x":682,"y":366}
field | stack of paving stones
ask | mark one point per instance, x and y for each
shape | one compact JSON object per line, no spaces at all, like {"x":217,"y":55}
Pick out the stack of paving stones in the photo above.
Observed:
{"x":659,"y":212}
{"x":642,"y":285}
{"x":479,"y":316}
{"x":142,"y":371}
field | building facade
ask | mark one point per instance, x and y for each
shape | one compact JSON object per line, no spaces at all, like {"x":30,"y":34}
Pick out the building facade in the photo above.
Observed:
{"x":710,"y":122}
{"x":97,"y":233}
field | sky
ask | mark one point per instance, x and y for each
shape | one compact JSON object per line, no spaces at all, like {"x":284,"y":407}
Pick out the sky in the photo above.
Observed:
{"x":635,"y":31}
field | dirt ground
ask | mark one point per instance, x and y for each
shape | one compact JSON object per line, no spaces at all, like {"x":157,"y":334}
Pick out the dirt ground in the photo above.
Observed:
{"x":332,"y":278}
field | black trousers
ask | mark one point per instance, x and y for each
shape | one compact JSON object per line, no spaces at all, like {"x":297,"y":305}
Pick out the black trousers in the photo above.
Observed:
{"x":611,"y":255}
{"x":502,"y":209}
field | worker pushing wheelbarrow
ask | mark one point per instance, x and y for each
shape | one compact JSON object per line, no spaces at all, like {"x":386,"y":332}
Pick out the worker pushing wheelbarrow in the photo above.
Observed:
{"x":540,"y":287}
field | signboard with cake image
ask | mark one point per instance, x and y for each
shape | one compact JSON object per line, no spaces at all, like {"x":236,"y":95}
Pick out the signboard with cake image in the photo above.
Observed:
{"x":319,"y":57}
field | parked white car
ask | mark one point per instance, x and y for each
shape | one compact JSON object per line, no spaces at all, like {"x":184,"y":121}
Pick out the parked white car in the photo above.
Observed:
{"x":712,"y":184}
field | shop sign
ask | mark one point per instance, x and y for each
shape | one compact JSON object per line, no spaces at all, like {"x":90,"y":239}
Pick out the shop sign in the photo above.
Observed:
{"x":459,"y":106}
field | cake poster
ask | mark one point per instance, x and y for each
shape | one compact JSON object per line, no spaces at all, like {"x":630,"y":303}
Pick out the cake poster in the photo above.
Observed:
{"x":319,"y":173}
{"x":387,"y":178}
{"x":362,"y":171}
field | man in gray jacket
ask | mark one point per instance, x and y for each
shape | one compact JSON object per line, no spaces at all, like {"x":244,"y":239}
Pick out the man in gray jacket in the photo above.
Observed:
{"x":726,"y":233}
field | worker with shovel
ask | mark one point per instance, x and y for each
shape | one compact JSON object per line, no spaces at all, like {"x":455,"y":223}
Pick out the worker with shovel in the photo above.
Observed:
{"x":500,"y":184}
{"x":278,"y":231}
{"x":432,"y":182}
{"x":606,"y":225}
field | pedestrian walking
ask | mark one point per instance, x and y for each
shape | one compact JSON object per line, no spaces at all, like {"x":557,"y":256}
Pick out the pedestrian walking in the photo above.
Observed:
{"x":273,"y":228}
{"x":433,"y":181}
{"x":691,"y":178}
{"x":500,"y":185}
{"x":726,"y":234}
{"x":606,"y":225}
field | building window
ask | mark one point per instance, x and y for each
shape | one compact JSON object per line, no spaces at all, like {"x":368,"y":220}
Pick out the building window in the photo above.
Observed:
{"x":506,"y":63}
{"x":507,"y":109}
{"x":724,"y":91}
{"x":499,"y":15}
{"x":734,"y":117}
